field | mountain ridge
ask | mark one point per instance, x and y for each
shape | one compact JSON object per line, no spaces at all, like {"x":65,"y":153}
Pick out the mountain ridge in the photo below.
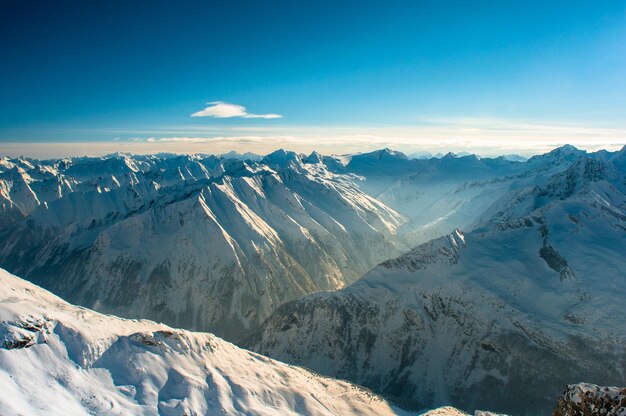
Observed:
{"x":60,"y":359}
{"x":469,"y":318}
{"x":285,"y":231}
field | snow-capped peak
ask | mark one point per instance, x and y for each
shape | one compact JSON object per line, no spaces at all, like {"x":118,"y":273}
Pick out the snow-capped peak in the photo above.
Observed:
{"x":314,"y":157}
{"x":282,"y":158}
{"x":566,"y":152}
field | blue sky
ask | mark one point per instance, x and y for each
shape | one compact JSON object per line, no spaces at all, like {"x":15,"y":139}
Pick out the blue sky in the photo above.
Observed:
{"x":344,"y":76}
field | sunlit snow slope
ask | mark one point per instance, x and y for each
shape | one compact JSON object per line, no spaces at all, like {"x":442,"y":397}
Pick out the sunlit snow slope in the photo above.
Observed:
{"x":199,"y":242}
{"x":59,"y":359}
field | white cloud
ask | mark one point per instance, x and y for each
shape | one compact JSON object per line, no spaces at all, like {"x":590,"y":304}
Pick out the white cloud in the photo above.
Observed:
{"x":218,"y":109}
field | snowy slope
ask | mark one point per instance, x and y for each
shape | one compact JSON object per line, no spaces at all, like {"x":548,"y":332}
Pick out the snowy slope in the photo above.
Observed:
{"x":59,"y":359}
{"x":198,"y":241}
{"x":441,"y":194}
{"x":499,"y":318}
{"x":436,"y":194}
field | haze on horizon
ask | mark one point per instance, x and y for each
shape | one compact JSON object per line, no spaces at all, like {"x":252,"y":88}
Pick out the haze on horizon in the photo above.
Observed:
{"x":91,"y":79}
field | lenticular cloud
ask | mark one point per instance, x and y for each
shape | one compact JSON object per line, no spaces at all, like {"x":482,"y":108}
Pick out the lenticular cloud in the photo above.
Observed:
{"x":218,"y":109}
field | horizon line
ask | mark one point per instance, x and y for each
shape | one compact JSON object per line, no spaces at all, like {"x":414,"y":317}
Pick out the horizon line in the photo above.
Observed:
{"x":104,"y":150}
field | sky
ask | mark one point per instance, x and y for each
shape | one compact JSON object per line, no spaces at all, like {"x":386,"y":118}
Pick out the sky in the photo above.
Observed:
{"x":490,"y":77}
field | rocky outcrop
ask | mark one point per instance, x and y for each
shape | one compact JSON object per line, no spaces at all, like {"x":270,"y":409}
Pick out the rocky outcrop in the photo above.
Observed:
{"x":588,"y":399}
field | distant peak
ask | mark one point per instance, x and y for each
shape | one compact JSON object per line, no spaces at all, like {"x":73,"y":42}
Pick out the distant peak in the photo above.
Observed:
{"x":241,"y":156}
{"x":420,"y":155}
{"x":281,"y":157}
{"x":389,"y":152}
{"x":381,"y":154}
{"x":566,"y":149}
{"x":566,"y":152}
{"x":514,"y":157}
{"x":314,"y":157}
{"x":116,"y":155}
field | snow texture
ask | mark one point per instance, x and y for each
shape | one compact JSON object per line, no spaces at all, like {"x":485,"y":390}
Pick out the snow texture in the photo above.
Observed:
{"x":59,"y":359}
{"x":200,"y":242}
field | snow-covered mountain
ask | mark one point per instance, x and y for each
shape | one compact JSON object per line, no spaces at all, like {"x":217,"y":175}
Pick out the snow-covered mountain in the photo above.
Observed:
{"x":213,"y":243}
{"x":241,"y":156}
{"x":502,"y":317}
{"x":200,"y":242}
{"x":59,"y":359}
{"x":438,"y":195}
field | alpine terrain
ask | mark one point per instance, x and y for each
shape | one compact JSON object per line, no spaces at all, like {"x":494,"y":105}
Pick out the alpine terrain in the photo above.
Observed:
{"x":201,"y":242}
{"x":59,"y":359}
{"x":500,"y":317}
{"x":313,"y":208}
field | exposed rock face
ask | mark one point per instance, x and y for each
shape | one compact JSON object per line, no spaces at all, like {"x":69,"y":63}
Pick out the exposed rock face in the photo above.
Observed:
{"x":588,"y":399}
{"x":23,"y":333}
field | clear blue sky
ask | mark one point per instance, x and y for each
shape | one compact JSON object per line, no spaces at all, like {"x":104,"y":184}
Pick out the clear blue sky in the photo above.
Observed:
{"x":121,"y":71}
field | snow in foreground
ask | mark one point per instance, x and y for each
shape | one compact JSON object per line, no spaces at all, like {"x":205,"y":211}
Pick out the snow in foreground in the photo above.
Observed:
{"x":59,"y":359}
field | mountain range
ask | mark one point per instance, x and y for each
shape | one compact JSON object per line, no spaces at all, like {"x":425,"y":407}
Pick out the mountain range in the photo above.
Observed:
{"x":455,"y":280}
{"x":201,"y":242}
{"x":529,"y":299}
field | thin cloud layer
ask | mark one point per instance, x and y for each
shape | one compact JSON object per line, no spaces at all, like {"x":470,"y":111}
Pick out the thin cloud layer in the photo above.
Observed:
{"x":218,"y":109}
{"x":485,"y":137}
